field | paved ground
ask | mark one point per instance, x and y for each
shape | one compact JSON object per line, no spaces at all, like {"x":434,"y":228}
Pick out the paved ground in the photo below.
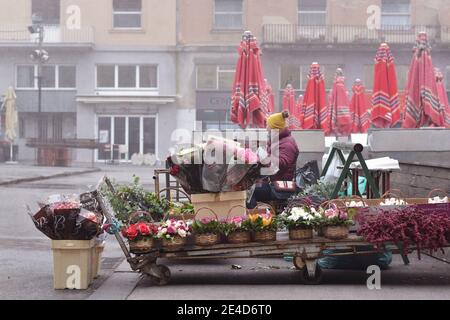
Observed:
{"x":26,"y":268}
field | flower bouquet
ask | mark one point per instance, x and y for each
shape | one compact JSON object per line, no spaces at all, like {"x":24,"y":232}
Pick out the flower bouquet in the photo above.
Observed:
{"x":264,"y":226}
{"x":140,"y":236}
{"x":140,"y":232}
{"x":206,"y":231}
{"x":219,"y":165}
{"x":300,"y":222}
{"x":334,"y":222}
{"x":173,"y":233}
{"x":237,"y":229}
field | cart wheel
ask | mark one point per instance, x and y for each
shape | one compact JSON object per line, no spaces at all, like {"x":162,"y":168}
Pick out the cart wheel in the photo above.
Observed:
{"x":298,"y":263}
{"x":307,"y":279}
{"x":165,"y":271}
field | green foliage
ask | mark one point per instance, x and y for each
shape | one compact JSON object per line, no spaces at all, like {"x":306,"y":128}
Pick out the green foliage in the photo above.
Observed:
{"x":321,"y":189}
{"x":133,"y":197}
{"x":206,"y":226}
{"x":263,"y":223}
{"x":235,"y":225}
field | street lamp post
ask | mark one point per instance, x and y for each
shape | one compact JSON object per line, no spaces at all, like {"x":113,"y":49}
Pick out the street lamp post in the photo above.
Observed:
{"x":40,"y":56}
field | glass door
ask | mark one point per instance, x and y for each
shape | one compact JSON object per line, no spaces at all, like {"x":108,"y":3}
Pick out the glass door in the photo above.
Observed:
{"x":134,"y":136}
{"x":149,"y":136}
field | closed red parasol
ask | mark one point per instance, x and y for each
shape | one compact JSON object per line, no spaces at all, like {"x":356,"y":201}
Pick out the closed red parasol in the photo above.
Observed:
{"x":422,"y":103}
{"x":315,"y":105}
{"x":385,"y":101}
{"x":248,"y":86}
{"x":359,"y":108}
{"x":290,"y":105}
{"x":268,"y":98}
{"x":301,"y":111}
{"x":340,"y":120}
{"x":443,"y":98}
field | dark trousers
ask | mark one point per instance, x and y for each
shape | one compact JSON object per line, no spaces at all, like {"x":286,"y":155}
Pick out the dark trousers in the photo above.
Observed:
{"x":262,"y":193}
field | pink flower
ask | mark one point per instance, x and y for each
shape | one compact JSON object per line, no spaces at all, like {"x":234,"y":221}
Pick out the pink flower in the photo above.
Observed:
{"x":205,"y":220}
{"x":171,"y":230}
{"x":331,"y":213}
{"x":343,"y":215}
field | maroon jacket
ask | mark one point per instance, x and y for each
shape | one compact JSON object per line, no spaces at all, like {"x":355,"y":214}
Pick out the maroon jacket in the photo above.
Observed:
{"x":288,"y":154}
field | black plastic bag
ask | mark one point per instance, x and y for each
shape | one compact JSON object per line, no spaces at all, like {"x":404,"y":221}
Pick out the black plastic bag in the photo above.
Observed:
{"x":307,"y":175}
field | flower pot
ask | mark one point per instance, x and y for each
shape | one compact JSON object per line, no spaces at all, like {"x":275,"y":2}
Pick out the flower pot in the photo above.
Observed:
{"x":141,"y":246}
{"x":266,"y":235}
{"x":336,"y":232}
{"x":206,"y":239}
{"x":174,"y":244}
{"x":300,"y":233}
{"x":238,"y":237}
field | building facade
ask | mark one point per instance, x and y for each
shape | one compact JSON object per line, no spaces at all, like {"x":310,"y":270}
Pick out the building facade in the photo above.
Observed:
{"x":111,"y":75}
{"x":130,"y":72}
{"x":295,"y":33}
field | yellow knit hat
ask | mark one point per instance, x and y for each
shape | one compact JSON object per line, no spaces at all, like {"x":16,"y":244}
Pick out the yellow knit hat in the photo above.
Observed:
{"x":278,"y":120}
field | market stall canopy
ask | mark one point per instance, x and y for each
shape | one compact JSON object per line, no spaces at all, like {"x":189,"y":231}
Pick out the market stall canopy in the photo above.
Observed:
{"x":11,"y":117}
{"x":385,"y":100}
{"x":314,"y":102}
{"x":359,"y":108}
{"x":422,"y":103}
{"x":443,"y":99}
{"x":339,"y":119}
{"x":290,"y":105}
{"x":249,"y":86}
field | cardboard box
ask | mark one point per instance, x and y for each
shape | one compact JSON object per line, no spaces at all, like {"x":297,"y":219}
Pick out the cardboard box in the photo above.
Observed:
{"x":220,"y":204}
{"x":72,"y":263}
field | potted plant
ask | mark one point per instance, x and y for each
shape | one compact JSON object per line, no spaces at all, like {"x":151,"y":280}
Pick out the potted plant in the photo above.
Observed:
{"x":300,"y":222}
{"x":264,"y":226}
{"x":206,"y":231}
{"x":236,"y":229}
{"x":140,"y":236}
{"x":173,"y":233}
{"x":335,"y":222}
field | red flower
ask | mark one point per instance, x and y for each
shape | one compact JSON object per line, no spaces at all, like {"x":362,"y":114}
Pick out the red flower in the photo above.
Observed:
{"x":132,"y":232}
{"x":153,"y":229}
{"x":174,"y":170}
{"x":143,"y":229}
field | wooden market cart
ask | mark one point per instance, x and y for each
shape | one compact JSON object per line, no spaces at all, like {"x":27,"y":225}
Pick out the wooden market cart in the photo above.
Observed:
{"x":305,"y":253}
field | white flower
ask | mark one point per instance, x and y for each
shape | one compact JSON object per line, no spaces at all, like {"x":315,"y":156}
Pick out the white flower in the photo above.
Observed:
{"x":182,"y":233}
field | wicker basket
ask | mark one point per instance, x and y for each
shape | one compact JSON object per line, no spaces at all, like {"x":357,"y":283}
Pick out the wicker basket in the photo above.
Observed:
{"x":336,"y":232}
{"x":239,"y":237}
{"x":141,"y":246}
{"x":300,"y":233}
{"x":266,"y":235}
{"x":206,"y":239}
{"x":176,"y":243}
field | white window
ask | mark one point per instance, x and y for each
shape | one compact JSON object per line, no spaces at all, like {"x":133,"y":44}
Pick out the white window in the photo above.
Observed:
{"x":25,"y":77}
{"x":48,"y":10}
{"x":312,"y":12}
{"x":127,"y":14}
{"x":53,"y":77}
{"x":395,"y":13}
{"x":215,"y":77}
{"x":125,"y":77}
{"x":228,"y":14}
{"x":128,"y":135}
